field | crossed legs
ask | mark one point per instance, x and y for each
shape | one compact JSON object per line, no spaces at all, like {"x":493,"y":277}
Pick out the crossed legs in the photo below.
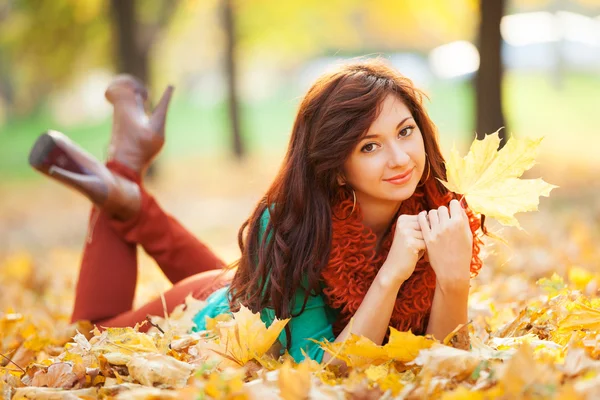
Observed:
{"x":125,"y":215}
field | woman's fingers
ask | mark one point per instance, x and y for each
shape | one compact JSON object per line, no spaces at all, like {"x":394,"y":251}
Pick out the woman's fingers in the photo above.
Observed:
{"x":434,"y":219}
{"x":456,"y":210}
{"x":420,"y":244}
{"x":411,"y":228}
{"x":424,"y":224}
{"x":407,"y":218}
{"x":443,"y":215}
{"x":409,"y":221}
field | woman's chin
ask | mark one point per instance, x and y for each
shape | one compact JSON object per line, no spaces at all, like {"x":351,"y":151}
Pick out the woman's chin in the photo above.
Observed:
{"x":395,"y":195}
{"x":401,"y":194}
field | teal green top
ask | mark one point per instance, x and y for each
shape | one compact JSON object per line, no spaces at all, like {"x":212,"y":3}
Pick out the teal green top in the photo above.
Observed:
{"x":315,"y":322}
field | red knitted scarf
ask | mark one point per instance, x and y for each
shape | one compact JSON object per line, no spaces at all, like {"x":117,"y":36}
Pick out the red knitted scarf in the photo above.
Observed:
{"x":354,"y":263}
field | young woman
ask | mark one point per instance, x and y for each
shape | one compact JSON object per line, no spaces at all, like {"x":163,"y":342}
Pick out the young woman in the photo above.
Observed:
{"x":355,"y":226}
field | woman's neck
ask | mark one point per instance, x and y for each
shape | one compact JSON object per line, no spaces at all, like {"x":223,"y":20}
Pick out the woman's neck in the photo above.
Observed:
{"x":377,"y":215}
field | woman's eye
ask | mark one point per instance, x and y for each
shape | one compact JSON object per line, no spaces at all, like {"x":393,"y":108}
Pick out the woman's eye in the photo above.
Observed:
{"x":406,"y":131}
{"x":369,"y":148}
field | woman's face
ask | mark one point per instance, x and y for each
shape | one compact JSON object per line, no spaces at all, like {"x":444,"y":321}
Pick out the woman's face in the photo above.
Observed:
{"x":388,"y":162}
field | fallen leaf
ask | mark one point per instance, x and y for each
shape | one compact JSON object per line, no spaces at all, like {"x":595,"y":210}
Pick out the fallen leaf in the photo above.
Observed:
{"x":60,"y":375}
{"x":405,"y":346}
{"x":577,"y":362}
{"x":40,"y":393}
{"x":522,"y":375}
{"x":123,"y":340}
{"x":294,"y":383}
{"x":462,"y":393}
{"x":445,"y":361}
{"x":226,"y":385}
{"x":180,"y":320}
{"x":158,"y":369}
{"x":356,"y":351}
{"x":580,"y":317}
{"x":246,"y":336}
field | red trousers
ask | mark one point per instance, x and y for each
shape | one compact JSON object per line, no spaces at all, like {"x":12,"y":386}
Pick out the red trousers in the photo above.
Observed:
{"x":108,"y":274}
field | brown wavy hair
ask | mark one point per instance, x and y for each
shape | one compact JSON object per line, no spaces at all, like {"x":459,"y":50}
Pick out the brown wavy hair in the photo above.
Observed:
{"x":334,"y":114}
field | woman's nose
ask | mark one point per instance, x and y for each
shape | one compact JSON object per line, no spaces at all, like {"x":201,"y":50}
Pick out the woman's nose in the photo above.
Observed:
{"x":397,"y":156}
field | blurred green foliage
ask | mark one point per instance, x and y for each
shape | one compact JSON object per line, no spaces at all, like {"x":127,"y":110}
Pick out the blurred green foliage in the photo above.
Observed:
{"x":199,"y":130}
{"x":46,"y":45}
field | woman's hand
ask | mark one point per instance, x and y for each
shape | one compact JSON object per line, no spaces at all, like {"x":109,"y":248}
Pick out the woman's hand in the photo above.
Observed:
{"x":449,"y":244}
{"x":407,"y":248}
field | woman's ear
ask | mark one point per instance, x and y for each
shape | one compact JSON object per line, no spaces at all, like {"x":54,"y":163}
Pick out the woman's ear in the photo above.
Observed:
{"x":341,"y":180}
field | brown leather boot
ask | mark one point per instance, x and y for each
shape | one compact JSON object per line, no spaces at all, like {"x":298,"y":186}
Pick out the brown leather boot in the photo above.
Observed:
{"x":57,"y":156}
{"x":136,"y":137}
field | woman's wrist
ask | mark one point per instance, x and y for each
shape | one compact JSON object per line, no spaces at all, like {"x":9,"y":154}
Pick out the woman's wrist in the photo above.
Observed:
{"x":453,"y":284}
{"x":389,"y":277}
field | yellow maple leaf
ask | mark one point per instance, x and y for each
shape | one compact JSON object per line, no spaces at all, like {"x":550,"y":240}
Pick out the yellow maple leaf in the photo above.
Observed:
{"x":357,"y":351}
{"x":405,"y":346}
{"x":211,"y":323}
{"x":462,"y":393}
{"x":294,"y":383}
{"x":385,"y":377}
{"x":580,"y":317}
{"x":377,"y":372}
{"x":228,"y":384}
{"x":123,"y":340}
{"x":392,"y":381}
{"x":246,"y":336}
{"x":489,"y":179}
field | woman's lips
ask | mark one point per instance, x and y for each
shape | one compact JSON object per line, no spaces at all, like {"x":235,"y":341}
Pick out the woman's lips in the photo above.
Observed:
{"x":400,"y":179}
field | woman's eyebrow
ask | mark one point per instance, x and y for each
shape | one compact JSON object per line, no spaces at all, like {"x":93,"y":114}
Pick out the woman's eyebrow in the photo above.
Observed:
{"x":397,"y":127}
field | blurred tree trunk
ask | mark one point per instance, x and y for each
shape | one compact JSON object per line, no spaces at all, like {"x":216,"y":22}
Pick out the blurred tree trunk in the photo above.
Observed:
{"x":131,"y":58}
{"x":231,"y":77}
{"x":6,"y":85}
{"x":488,"y":82}
{"x":6,"y":82}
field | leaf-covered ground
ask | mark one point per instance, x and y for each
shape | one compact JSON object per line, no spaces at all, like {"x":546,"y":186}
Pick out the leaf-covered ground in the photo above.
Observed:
{"x":532,"y":334}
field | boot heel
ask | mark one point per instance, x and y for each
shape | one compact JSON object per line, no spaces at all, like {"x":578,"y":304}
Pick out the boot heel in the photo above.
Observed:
{"x":57,"y":156}
{"x":47,"y":153}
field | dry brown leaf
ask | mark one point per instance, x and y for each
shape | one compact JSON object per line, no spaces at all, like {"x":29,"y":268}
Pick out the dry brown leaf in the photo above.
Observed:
{"x":60,"y":375}
{"x":522,"y":374}
{"x":40,"y":393}
{"x":445,"y":361}
{"x":577,"y":362}
{"x":158,"y":369}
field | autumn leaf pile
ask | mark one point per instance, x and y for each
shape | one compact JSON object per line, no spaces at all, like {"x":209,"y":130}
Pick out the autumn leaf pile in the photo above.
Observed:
{"x":534,"y":329}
